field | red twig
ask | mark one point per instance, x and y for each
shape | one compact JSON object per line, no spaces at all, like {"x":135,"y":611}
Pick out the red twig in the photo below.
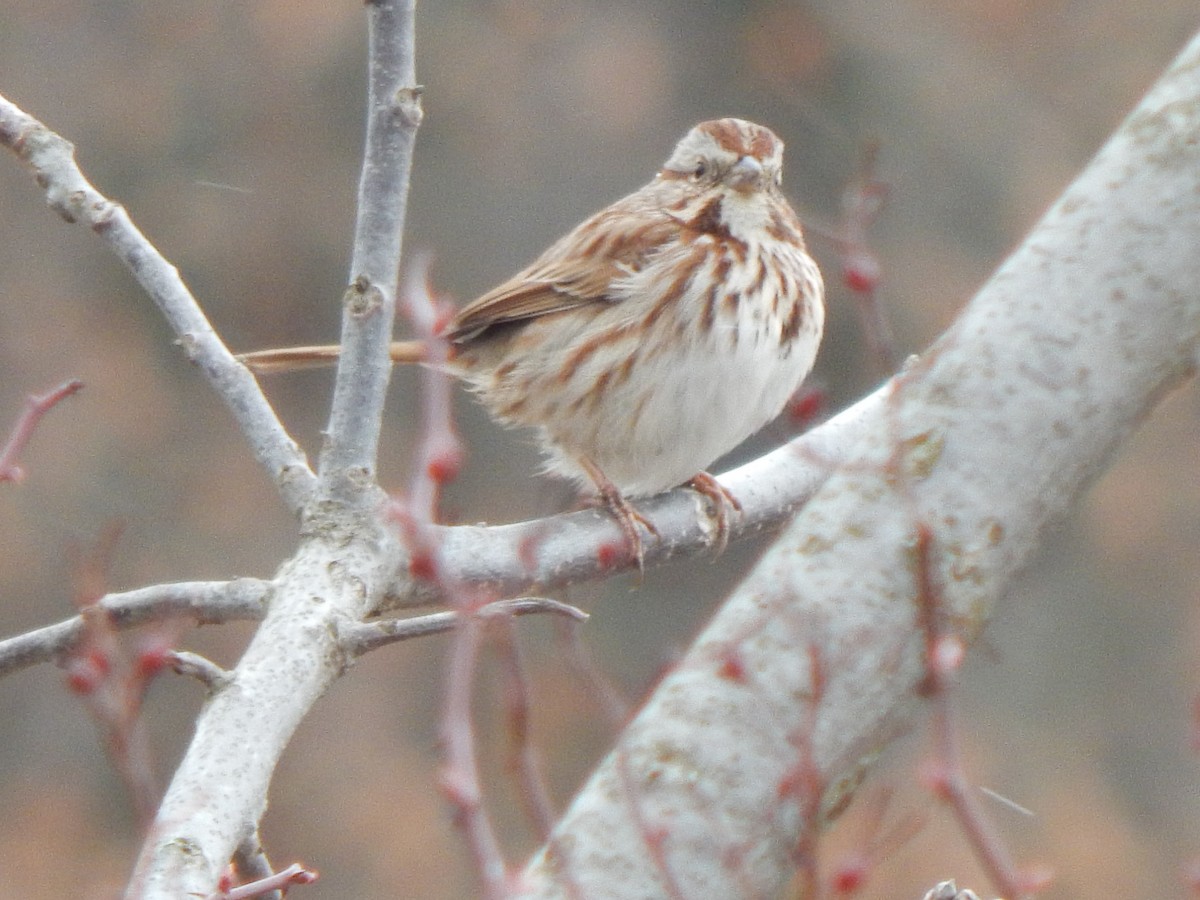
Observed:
{"x":438,"y":462}
{"x":804,"y":782}
{"x":862,"y":201}
{"x":112,"y":680}
{"x":653,"y":834}
{"x":280,"y":881}
{"x":524,"y":757}
{"x":946,"y":775}
{"x":852,"y":871}
{"x":612,"y":703}
{"x":440,"y":456}
{"x":459,"y":778}
{"x":36,"y":406}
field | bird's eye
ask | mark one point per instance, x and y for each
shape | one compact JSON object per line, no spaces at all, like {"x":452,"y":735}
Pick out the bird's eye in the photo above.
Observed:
{"x":701,"y":170}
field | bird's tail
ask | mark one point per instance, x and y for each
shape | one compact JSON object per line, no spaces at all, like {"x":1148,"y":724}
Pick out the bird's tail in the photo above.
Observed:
{"x":288,"y":359}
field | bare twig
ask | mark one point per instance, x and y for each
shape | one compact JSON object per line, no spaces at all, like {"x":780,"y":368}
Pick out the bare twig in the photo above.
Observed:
{"x":863,"y":199}
{"x":270,"y":885}
{"x":110,"y":680}
{"x":414,"y":515}
{"x":363,"y":637}
{"x":946,"y":775}
{"x":525,"y":761}
{"x":862,"y":202}
{"x":459,"y":777}
{"x":852,"y":870}
{"x":205,"y":602}
{"x":193,"y":665}
{"x":439,"y":457}
{"x":74,"y":198}
{"x":36,"y":406}
{"x":613,"y":704}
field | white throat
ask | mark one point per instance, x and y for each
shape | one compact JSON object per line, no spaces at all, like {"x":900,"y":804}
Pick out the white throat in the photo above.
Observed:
{"x":745,"y":215}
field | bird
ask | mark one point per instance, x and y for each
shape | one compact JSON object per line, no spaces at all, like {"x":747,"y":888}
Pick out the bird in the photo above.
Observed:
{"x":655,"y":336}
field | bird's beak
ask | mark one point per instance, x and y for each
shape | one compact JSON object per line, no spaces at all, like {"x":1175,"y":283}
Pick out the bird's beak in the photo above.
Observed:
{"x":746,"y":174}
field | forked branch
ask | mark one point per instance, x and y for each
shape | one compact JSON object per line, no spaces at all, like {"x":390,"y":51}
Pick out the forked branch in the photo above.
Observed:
{"x":992,"y":434}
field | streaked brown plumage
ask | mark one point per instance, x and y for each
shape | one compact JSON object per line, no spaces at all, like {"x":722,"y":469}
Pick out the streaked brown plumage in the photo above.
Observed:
{"x":658,"y":334}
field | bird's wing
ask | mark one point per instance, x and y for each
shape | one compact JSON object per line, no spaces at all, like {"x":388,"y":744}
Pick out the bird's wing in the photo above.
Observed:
{"x":577,"y":270}
{"x":535,"y":292}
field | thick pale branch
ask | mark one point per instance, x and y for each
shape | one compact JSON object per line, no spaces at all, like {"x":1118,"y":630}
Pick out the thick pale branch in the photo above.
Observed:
{"x":70,"y":194}
{"x":295,"y":655}
{"x":349,"y":551}
{"x":393,"y":114}
{"x":205,"y":602}
{"x":561,"y":550}
{"x":819,"y":657}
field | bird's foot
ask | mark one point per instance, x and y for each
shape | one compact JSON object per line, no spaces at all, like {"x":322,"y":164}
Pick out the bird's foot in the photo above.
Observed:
{"x":626,"y":514}
{"x":723,"y":504}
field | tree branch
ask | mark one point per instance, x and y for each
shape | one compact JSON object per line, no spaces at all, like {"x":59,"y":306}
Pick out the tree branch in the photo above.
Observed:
{"x":193,"y":665}
{"x":208,"y":602}
{"x":347,"y":462}
{"x":348,"y":552}
{"x":992,"y":435}
{"x":363,"y":637}
{"x":73,"y":197}
{"x":558,"y":550}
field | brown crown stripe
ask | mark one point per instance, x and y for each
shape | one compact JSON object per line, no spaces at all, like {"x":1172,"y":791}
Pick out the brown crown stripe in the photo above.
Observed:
{"x":752,"y":140}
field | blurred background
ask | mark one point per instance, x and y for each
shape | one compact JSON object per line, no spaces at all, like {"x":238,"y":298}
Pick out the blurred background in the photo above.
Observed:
{"x":232,"y":133}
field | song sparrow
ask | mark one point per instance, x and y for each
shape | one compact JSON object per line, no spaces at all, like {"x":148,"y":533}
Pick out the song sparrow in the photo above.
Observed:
{"x":654,"y":337}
